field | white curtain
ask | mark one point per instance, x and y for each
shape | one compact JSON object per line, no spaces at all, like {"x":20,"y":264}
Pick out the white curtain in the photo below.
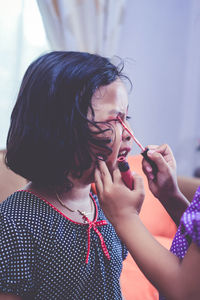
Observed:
{"x":83,"y":25}
{"x":22,"y":39}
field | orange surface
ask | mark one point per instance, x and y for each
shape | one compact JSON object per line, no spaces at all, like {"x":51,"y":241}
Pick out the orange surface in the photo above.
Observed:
{"x":153,"y":215}
{"x":134,"y":284}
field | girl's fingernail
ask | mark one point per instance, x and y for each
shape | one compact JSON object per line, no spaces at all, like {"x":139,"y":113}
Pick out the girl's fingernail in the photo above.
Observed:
{"x":99,"y":157}
{"x":149,"y":169}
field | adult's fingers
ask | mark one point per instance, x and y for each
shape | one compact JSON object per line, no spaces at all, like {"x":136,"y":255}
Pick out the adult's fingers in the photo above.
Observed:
{"x":163,"y":149}
{"x":147,"y":169}
{"x":159,"y":160}
{"x":167,"y":153}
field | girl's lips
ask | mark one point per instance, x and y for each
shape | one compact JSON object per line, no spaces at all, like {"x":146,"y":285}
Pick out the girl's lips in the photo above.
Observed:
{"x":124,"y":152}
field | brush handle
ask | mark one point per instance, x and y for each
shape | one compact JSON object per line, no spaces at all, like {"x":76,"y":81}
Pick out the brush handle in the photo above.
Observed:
{"x":150,"y":161}
{"x":126,"y":173}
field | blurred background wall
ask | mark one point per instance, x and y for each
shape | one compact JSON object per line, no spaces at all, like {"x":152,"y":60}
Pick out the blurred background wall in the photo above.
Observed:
{"x":159,"y":42}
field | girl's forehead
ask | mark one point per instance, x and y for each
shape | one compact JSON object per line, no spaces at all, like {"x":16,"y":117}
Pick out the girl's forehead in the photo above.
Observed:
{"x":114,"y":94}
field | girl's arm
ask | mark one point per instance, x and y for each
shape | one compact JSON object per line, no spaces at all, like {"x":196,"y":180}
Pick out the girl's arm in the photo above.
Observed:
{"x":174,"y":279}
{"x":164,"y":185}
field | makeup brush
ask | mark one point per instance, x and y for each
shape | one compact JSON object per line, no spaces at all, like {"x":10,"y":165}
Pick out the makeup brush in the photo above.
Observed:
{"x":144,"y":150}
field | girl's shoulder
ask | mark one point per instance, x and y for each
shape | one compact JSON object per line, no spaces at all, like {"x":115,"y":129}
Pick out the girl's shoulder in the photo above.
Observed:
{"x":21,"y":200}
{"x":25,"y":209}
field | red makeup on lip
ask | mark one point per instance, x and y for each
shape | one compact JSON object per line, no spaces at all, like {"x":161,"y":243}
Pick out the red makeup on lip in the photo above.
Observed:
{"x":144,"y":150}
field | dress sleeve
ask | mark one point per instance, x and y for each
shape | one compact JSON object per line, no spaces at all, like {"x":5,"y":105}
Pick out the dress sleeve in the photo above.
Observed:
{"x":16,"y":259}
{"x":190,"y":221}
{"x":124,"y":252}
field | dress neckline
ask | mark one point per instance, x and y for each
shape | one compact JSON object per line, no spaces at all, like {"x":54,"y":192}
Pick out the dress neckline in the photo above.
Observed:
{"x":57,"y":210}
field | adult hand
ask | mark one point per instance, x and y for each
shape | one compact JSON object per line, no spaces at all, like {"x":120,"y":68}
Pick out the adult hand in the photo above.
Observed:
{"x":165,"y":184}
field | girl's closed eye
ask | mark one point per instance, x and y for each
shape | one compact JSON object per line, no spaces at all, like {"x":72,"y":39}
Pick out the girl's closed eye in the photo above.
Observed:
{"x":123,"y":117}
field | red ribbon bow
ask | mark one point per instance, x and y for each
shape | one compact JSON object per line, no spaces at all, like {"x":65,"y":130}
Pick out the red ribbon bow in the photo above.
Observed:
{"x":94,"y":224}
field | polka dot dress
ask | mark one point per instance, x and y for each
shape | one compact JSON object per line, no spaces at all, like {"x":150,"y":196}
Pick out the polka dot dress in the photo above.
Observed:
{"x":188,"y":230}
{"x":45,"y":255}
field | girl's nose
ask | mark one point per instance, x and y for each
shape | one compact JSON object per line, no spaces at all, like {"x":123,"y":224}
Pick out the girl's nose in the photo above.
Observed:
{"x":125,"y":135}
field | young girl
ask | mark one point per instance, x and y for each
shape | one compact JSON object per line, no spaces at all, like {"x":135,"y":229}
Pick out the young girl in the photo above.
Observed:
{"x":55,"y":242}
{"x":175,"y":273}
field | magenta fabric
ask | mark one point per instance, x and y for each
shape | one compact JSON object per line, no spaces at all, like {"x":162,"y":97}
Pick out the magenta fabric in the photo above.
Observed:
{"x":188,"y":230}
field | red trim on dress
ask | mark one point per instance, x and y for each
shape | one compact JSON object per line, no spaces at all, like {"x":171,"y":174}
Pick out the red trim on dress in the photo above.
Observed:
{"x":91,"y":224}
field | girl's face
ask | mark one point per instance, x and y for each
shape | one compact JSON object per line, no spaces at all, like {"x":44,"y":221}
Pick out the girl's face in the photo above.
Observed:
{"x":108,"y":102}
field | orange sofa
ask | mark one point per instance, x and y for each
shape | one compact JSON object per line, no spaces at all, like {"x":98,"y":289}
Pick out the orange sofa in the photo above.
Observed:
{"x":134,"y":284}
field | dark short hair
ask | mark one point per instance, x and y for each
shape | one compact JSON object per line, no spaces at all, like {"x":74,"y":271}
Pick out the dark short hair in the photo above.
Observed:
{"x":49,"y":135}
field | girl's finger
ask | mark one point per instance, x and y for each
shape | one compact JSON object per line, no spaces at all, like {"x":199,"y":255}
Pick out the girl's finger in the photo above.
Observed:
{"x":138,"y":183}
{"x":105,"y":174}
{"x":98,"y":181}
{"x":117,"y":175}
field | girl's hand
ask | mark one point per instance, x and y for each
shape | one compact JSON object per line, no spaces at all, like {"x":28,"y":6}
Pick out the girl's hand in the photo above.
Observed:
{"x":165,"y":184}
{"x":117,"y":200}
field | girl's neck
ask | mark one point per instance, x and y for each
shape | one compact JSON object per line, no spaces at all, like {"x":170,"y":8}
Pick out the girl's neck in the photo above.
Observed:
{"x":76,"y":193}
{"x":77,"y":198}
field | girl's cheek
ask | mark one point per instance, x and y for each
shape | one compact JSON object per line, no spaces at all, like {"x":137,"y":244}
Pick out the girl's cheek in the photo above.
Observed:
{"x":119,"y":130}
{"x":120,"y":135}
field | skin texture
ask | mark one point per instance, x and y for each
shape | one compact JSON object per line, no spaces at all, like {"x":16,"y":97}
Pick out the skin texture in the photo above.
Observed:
{"x":174,"y":279}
